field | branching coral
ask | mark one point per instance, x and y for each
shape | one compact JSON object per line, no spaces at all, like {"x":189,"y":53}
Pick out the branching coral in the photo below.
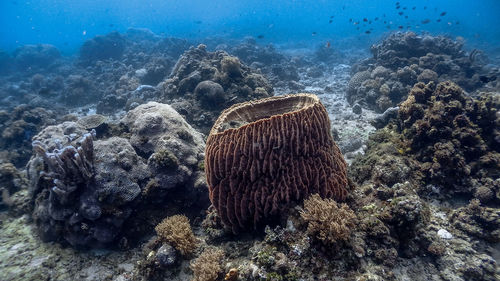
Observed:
{"x":177,"y":231}
{"x":326,"y":220}
{"x":207,"y":267}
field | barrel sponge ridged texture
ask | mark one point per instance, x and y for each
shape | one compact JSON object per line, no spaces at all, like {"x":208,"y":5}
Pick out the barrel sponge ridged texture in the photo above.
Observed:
{"x":281,"y":154}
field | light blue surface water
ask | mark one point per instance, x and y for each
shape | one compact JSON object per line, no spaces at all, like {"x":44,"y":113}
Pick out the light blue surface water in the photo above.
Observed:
{"x":68,"y":23}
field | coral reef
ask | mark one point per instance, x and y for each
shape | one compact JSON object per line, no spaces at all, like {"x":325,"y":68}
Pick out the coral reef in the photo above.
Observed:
{"x":405,"y":58}
{"x":17,"y":127}
{"x":177,"y":231}
{"x":85,"y":191}
{"x":440,"y":150}
{"x":203,"y":83}
{"x":455,"y":138}
{"x":13,"y":186}
{"x":101,"y":47}
{"x":326,"y":220}
{"x":35,"y":56}
{"x":264,"y":156}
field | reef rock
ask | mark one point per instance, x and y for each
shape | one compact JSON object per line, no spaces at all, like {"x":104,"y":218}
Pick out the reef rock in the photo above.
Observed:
{"x":216,"y":80}
{"x":87,"y":187}
{"x":101,"y":47}
{"x":405,"y":58}
{"x":41,"y":55}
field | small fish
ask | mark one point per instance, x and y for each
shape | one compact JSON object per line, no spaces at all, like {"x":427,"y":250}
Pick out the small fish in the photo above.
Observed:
{"x":314,"y":33}
{"x":413,"y":8}
{"x":376,"y":19}
{"x":457,"y":22}
{"x":84,"y":32}
{"x":365,"y":19}
{"x":426,"y":21}
{"x":442,"y":14}
{"x":404,"y":8}
{"x":400,"y":27}
{"x":198,"y":22}
{"x":438,"y":20}
{"x":406,"y":17}
{"x":425,"y":7}
{"x":327,"y":44}
{"x":397,"y":3}
{"x":330,"y":21}
{"x":350,"y":20}
{"x":400,"y":13}
{"x":398,"y":7}
{"x":260,"y":36}
{"x":356,"y":23}
{"x":331,"y":17}
{"x":368,"y":32}
{"x":385,"y":22}
{"x":449,"y":23}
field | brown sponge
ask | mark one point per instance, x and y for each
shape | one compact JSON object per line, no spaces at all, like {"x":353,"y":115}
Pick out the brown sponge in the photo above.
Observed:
{"x":264,"y":156}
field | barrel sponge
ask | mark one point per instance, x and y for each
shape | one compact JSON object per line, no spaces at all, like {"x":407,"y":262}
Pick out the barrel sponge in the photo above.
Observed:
{"x":264,"y":156}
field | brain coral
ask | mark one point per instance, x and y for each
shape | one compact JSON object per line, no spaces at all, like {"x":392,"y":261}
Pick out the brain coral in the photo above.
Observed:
{"x":264,"y":156}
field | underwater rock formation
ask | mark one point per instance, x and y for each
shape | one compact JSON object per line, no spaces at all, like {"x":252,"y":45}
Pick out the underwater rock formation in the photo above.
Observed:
{"x":203,"y":83}
{"x":35,"y":56}
{"x":86,"y":189}
{"x":101,"y":47}
{"x":12,"y":181}
{"x":279,"y":69}
{"x":456,"y":138}
{"x":442,"y":148}
{"x":262,"y":157}
{"x":402,"y":60}
{"x":17,"y":127}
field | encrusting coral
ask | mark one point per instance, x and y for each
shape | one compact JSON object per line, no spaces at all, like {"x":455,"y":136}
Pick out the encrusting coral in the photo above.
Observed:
{"x":207,"y":267}
{"x":177,"y":231}
{"x":263,"y":157}
{"x":326,"y":220}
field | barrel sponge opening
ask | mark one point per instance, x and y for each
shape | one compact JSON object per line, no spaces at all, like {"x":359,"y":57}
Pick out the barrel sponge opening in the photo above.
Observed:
{"x":265,"y":156}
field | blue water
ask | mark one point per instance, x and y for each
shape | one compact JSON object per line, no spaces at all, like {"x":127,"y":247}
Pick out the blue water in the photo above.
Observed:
{"x":66,"y":24}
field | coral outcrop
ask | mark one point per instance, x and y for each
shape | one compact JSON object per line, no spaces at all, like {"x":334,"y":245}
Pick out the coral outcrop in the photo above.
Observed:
{"x":101,"y":47}
{"x":35,"y":56}
{"x":405,"y":58}
{"x":203,"y":83}
{"x":264,"y":156}
{"x":86,"y":188}
{"x":17,"y":127}
{"x":456,"y":138}
{"x":440,"y":150}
